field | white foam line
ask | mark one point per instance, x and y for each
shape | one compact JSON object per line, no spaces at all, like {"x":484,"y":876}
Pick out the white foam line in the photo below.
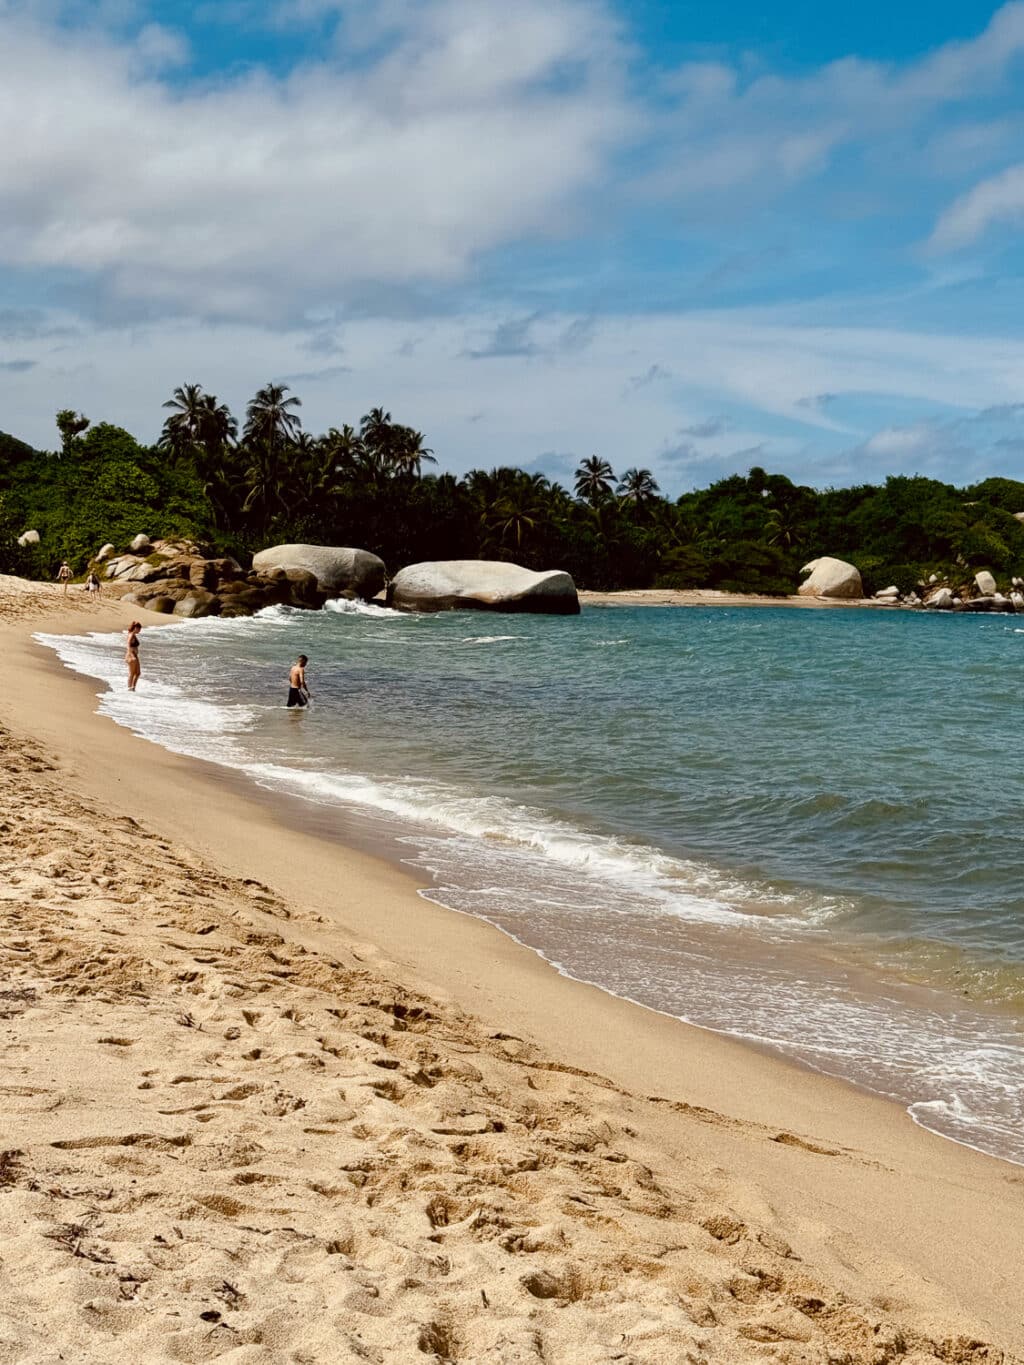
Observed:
{"x":784,"y":1048}
{"x":343,"y":606}
{"x":524,"y":832}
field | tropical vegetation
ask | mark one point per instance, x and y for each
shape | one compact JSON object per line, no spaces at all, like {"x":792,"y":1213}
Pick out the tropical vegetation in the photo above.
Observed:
{"x":239,"y":486}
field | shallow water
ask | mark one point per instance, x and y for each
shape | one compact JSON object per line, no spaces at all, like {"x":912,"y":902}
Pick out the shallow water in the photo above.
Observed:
{"x":801,"y":828}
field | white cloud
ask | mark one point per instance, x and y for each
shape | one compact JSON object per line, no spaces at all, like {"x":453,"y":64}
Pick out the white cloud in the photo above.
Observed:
{"x":160,"y":48}
{"x":758,"y":134}
{"x":1000,"y":198}
{"x":431,"y":132}
{"x":257,"y":197}
{"x":960,"y":448}
{"x":250,"y":209}
{"x":896,"y":443}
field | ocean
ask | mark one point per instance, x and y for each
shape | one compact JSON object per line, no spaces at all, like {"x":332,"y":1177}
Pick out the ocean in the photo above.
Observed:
{"x":799,"y":828}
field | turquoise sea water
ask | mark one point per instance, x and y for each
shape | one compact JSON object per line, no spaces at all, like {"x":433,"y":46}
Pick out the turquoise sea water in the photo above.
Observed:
{"x":802,"y":828}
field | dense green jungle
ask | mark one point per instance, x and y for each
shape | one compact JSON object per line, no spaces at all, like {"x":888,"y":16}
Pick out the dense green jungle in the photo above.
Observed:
{"x":238,"y":488}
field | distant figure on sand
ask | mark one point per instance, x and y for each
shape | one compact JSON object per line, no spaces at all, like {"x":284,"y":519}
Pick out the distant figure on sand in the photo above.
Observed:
{"x":92,"y":583}
{"x":298,"y":692}
{"x":64,"y":574}
{"x":131,"y":655}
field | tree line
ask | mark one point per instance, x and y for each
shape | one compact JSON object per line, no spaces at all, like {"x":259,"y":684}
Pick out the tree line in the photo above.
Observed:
{"x":241,"y":486}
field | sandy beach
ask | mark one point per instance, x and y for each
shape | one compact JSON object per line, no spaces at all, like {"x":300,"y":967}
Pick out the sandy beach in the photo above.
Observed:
{"x":264,"y":1103}
{"x":713,"y":597}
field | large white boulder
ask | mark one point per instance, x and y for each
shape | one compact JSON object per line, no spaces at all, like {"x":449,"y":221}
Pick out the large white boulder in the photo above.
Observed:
{"x":337,"y":569}
{"x":985,"y":583}
{"x":484,"y":585}
{"x":830,"y":578}
{"x":28,"y":538}
{"x":139,"y":544}
{"x":941,"y":598}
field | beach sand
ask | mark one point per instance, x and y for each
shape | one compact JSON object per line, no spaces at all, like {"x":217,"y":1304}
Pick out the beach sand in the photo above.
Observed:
{"x":263,"y":1103}
{"x":712,"y":597}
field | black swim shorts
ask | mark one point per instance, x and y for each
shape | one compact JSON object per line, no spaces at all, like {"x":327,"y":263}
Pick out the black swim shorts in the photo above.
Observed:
{"x":295,"y":697}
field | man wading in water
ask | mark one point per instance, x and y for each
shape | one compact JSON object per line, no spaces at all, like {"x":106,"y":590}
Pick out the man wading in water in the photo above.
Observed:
{"x":298,"y":692}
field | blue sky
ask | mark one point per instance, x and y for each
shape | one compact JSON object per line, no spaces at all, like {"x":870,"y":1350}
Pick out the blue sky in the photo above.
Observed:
{"x":682,"y":236}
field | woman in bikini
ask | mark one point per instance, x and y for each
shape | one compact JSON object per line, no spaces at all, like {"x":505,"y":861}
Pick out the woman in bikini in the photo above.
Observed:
{"x":131,"y":655}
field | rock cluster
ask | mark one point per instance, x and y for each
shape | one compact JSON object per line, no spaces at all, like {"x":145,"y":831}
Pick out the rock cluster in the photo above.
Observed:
{"x":177,"y":577}
{"x":837,"y":579}
{"x":482,"y":585}
{"x":981,"y":595}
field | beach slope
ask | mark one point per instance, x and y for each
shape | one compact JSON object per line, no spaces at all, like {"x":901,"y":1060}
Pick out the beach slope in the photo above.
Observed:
{"x":262,"y":1103}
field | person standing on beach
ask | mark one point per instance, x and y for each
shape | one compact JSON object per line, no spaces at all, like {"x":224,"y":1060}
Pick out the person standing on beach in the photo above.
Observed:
{"x":131,"y":655}
{"x":298,"y":691}
{"x":64,"y":574}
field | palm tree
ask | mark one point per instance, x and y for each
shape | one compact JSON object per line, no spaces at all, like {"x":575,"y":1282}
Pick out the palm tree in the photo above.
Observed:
{"x":217,"y":427}
{"x":486,"y":488}
{"x":202,"y":429}
{"x":518,"y":511}
{"x":513,"y":517}
{"x":713,"y":534}
{"x":270,"y":425}
{"x":346,"y":449}
{"x":780,"y":526}
{"x":408,"y":452}
{"x":197,"y":419}
{"x":269,"y":418}
{"x":181,"y":430}
{"x":265,"y":485}
{"x":308,"y":471}
{"x":375,"y":428}
{"x":594,"y":480}
{"x":637,"y":486}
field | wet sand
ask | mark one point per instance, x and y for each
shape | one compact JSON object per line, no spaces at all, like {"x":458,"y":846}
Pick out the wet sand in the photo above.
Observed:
{"x":264,"y":1103}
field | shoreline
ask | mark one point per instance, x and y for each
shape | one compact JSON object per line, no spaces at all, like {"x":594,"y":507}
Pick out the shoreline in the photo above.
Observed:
{"x":361,"y":835}
{"x":741,"y":955}
{"x":792,"y":1140}
{"x":713,"y":597}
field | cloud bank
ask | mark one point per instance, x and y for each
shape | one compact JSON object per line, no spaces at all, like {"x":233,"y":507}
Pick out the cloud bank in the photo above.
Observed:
{"x":257,"y":195}
{"x":680,"y":267}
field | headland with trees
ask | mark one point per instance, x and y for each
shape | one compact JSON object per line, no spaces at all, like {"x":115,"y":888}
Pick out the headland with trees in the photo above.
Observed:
{"x":375,"y":484}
